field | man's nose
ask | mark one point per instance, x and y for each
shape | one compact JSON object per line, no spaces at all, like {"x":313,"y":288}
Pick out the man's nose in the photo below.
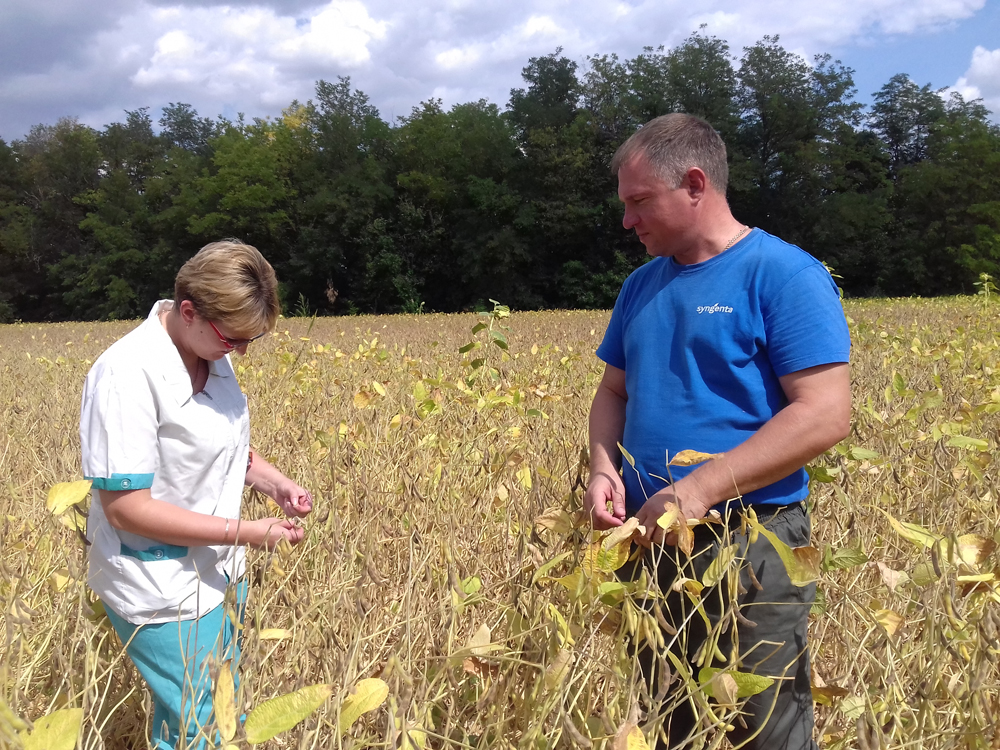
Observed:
{"x":629,"y":220}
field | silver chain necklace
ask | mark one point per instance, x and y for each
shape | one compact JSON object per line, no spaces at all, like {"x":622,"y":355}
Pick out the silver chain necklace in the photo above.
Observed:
{"x":739,"y":234}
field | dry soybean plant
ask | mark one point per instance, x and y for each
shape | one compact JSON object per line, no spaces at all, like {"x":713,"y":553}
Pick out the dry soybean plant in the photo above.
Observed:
{"x":447,"y":581}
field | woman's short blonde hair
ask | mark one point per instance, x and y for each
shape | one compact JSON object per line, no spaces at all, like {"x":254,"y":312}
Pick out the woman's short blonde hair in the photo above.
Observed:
{"x":229,"y":282}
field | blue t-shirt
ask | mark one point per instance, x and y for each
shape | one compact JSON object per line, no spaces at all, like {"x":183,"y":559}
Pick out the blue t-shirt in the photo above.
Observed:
{"x":703,"y":346}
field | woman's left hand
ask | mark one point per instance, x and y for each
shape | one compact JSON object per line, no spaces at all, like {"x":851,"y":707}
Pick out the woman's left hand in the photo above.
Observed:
{"x":291,"y":498}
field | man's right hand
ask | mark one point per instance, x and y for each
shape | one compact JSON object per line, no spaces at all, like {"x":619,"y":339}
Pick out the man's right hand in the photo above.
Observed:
{"x":605,"y":488}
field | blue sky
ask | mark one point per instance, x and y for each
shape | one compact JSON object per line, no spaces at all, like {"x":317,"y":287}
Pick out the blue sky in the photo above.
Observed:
{"x":939,"y":56}
{"x":93,"y":59}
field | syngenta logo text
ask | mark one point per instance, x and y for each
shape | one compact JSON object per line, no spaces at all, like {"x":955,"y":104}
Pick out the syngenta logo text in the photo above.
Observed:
{"x":716,"y":308}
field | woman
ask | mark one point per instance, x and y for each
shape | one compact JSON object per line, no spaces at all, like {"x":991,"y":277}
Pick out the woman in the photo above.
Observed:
{"x":165,"y":438}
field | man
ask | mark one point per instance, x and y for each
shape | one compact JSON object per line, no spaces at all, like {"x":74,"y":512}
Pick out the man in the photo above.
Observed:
{"x":728,"y":342}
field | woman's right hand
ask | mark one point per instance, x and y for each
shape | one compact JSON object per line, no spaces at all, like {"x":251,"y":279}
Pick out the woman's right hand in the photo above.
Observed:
{"x":267,"y":533}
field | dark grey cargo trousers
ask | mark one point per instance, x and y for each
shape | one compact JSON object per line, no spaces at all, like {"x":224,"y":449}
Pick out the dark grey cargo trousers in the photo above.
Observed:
{"x":772,"y":632}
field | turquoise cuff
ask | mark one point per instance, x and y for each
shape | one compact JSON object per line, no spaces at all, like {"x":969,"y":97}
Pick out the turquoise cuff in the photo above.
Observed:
{"x":121,"y":482}
{"x":160,"y":552}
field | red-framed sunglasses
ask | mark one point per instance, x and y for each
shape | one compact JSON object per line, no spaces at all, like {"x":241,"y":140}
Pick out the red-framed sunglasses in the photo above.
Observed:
{"x":233,"y":343}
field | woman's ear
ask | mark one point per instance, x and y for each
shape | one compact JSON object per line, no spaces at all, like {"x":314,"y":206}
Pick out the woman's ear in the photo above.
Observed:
{"x":187,"y":311}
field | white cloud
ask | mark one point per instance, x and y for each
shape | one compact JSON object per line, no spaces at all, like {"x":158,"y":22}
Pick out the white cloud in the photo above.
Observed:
{"x":257,"y":55}
{"x":982,"y":79}
{"x":223,"y":47}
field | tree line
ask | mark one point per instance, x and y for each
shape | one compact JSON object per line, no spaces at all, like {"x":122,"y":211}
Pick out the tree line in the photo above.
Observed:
{"x":447,"y":208}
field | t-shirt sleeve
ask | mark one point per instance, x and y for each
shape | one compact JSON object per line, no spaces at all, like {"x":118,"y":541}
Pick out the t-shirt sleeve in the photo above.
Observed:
{"x":118,"y":430}
{"x":804,"y":323}
{"x":612,"y":348}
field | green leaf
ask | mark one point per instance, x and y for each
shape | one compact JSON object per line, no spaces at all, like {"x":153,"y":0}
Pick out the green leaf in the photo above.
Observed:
{"x":467,"y":348}
{"x":478,"y":327}
{"x":969,"y":443}
{"x":747,"y":684}
{"x":801,"y":563}
{"x":64,"y":495}
{"x":471,"y":585}
{"x":282,"y":713}
{"x":898,"y":384}
{"x":544,"y":568}
{"x":499,"y":339}
{"x":367,"y":696}
{"x":823,"y":474}
{"x":57,"y":731}
{"x":844,"y":558}
{"x":862,"y":454}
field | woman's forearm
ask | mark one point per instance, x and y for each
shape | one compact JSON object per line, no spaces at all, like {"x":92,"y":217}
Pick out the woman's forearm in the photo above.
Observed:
{"x":262,"y":475}
{"x":138,"y":512}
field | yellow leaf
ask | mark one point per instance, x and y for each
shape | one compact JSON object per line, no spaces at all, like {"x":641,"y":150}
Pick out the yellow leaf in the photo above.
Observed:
{"x":627,"y":455}
{"x":892,"y":578}
{"x":670,"y":517}
{"x":635,"y":740}
{"x":827,"y":694}
{"x":524,"y":476}
{"x":691,"y":458}
{"x":274,"y":634}
{"x":596,"y":558}
{"x":362,"y":399}
{"x":66,"y":494}
{"x":629,"y":736}
{"x":718,"y":567}
{"x":396,"y":421}
{"x":479,"y":643}
{"x":414,"y":737}
{"x":725,"y":690}
{"x":60,"y":579}
{"x":284,"y":712}
{"x":555,"y":519}
{"x":558,"y":670}
{"x":10,"y":722}
{"x":378,"y":387}
{"x":620,"y":535}
{"x":746,"y":684}
{"x":57,"y":731}
{"x":224,"y":702}
{"x":978,"y":578}
{"x":502,"y":493}
{"x":692,"y":586}
{"x":974,"y":549}
{"x":367,"y":696}
{"x":914,"y":533}
{"x":889,"y":620}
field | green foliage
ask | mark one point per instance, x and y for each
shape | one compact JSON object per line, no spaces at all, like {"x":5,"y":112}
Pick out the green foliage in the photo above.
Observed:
{"x":446,"y":207}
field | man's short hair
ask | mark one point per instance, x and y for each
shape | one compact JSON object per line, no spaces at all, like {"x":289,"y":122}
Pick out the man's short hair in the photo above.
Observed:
{"x":674,"y":143}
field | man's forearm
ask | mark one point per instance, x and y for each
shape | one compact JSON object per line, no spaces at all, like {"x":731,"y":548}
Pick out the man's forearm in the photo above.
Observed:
{"x":607,"y":425}
{"x":788,"y":441}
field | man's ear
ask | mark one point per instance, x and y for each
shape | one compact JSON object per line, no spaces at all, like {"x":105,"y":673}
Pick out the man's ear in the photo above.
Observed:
{"x":696,"y":184}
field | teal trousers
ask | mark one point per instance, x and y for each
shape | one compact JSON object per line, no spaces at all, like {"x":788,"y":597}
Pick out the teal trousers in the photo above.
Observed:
{"x":174,"y":658}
